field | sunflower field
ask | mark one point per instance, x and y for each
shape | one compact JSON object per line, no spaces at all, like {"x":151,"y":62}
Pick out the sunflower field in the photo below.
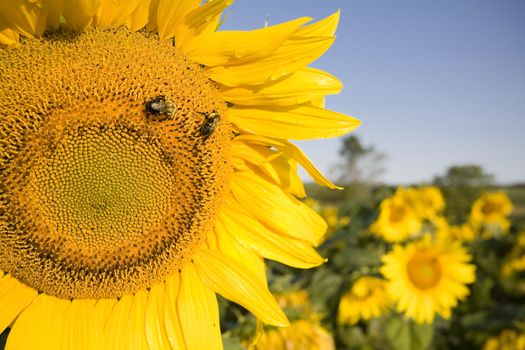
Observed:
{"x":402,"y":272}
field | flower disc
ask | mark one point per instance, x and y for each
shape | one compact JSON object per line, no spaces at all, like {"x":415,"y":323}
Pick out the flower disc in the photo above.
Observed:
{"x":424,"y":270}
{"x":114,"y":161}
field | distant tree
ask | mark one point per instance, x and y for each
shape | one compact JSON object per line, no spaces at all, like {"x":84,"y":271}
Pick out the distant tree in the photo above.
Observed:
{"x":461,"y":185}
{"x":464,"y":175}
{"x":360,"y":164}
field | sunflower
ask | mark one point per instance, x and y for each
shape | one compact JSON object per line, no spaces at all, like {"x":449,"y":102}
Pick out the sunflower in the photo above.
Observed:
{"x":507,"y":340}
{"x":145,"y":167}
{"x":443,"y":230}
{"x":302,"y":334}
{"x":398,"y":217}
{"x":430,"y":202}
{"x":515,"y":259}
{"x":297,"y":300}
{"x":365,"y":300}
{"x":463,"y":232}
{"x":489,"y":213}
{"x":427,"y":277}
{"x":305,"y":331}
{"x":331,"y":214}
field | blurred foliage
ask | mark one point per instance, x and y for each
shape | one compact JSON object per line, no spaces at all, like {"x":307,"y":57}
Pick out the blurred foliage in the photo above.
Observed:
{"x":461,"y":184}
{"x":471,"y":175}
{"x":496,"y":302}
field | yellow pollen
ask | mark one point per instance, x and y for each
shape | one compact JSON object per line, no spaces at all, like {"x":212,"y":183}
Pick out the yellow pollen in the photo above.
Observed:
{"x":107,"y":181}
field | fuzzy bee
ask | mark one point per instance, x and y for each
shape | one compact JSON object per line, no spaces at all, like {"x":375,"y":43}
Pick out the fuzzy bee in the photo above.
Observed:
{"x":159,"y":108}
{"x":210,"y":124}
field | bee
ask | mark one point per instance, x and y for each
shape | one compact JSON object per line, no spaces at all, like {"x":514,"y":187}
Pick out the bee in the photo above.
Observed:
{"x":159,"y":108}
{"x":210,"y":124}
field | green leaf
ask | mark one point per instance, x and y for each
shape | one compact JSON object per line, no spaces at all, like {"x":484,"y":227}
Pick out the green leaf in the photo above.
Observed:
{"x":357,"y":256}
{"x":407,"y":335}
{"x":232,"y":343}
{"x":323,"y":289}
{"x":351,"y":337}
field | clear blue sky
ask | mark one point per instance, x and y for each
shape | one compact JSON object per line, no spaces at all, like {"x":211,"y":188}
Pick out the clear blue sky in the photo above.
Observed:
{"x":435,"y":83}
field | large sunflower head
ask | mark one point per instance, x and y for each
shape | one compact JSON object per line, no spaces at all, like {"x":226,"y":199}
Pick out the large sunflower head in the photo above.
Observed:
{"x":427,"y":277}
{"x":145,"y":167}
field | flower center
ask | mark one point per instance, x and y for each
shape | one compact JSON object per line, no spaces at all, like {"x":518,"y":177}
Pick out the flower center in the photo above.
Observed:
{"x":361,"y":291}
{"x":489,"y":208}
{"x":115,"y":155}
{"x":424,"y":270}
{"x":397,"y":213}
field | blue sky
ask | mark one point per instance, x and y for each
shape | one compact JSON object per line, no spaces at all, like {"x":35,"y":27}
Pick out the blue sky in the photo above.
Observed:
{"x":435,"y":83}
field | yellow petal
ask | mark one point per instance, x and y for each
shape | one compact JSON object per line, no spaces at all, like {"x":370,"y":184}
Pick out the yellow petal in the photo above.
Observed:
{"x":324,"y":27}
{"x":254,"y":235}
{"x":126,"y":328}
{"x":104,"y":309}
{"x":229,"y":246}
{"x":198,"y":312}
{"x":40,"y":326}
{"x":200,"y":21}
{"x":302,"y":86}
{"x":298,"y":123}
{"x":54,"y":8}
{"x":234,"y":47}
{"x":139,"y":17}
{"x":235,"y":282}
{"x":114,"y":13}
{"x":277,"y":209}
{"x":305,"y":46}
{"x":293,"y":55}
{"x":113,"y":336}
{"x":25,"y":17}
{"x":133,"y":331}
{"x":293,"y":152}
{"x":246,"y":156}
{"x":170,"y":15}
{"x":319,"y":102}
{"x":171,"y":316}
{"x":8,"y":37}
{"x":153,"y":21}
{"x":83,"y":328}
{"x":14,"y":297}
{"x":284,"y":172}
{"x":155,"y":329}
{"x":80,"y":13}
{"x":298,"y":155}
{"x":278,"y":166}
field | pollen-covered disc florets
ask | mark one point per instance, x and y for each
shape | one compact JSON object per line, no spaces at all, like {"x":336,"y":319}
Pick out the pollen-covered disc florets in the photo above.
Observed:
{"x":98,"y":198}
